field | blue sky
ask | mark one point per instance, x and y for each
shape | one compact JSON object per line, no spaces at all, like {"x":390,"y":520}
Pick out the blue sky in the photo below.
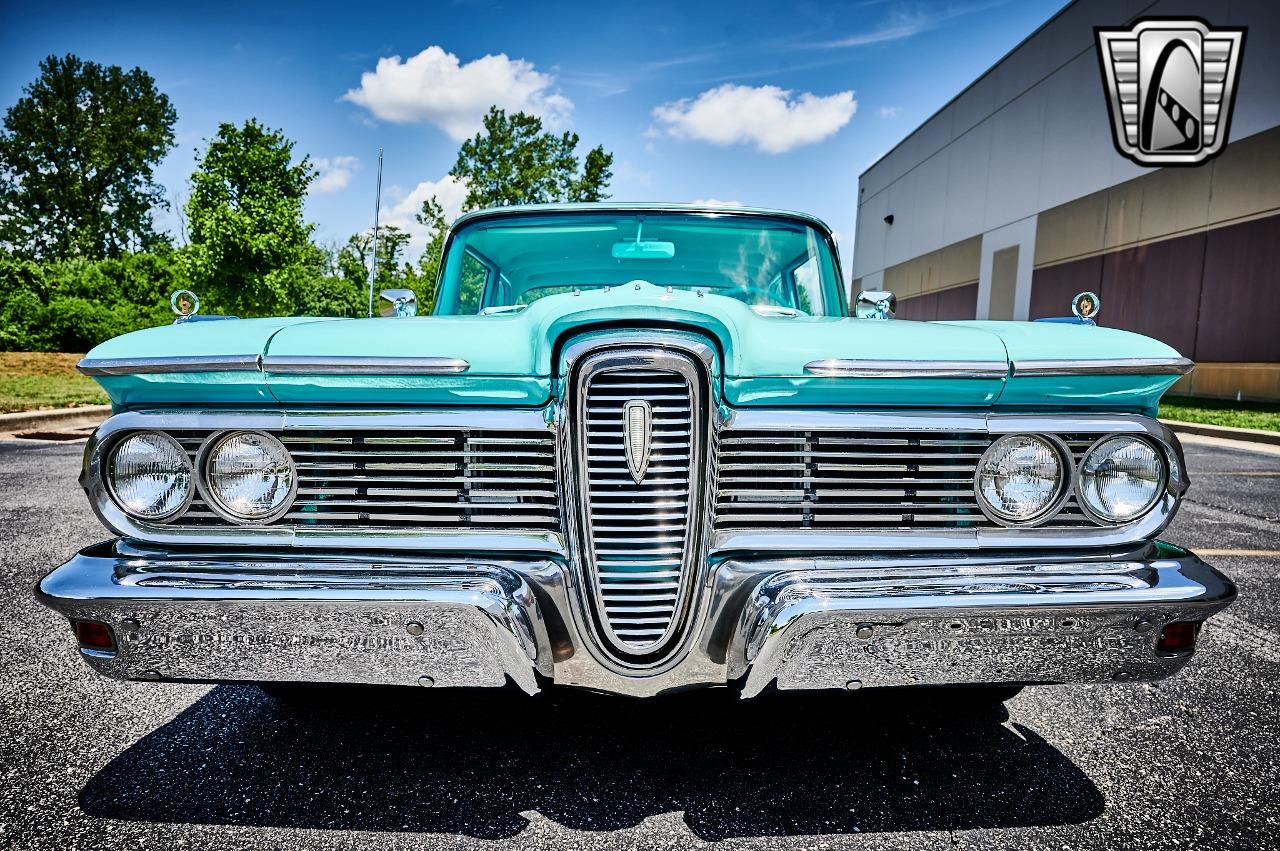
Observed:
{"x":769,"y":104}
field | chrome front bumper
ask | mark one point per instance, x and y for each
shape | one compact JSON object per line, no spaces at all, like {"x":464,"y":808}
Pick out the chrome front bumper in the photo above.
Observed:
{"x":832,"y":622}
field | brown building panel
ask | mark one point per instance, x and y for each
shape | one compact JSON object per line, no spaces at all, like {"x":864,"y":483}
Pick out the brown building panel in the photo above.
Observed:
{"x":921,"y":308}
{"x":1154,"y":289}
{"x":958,"y":302}
{"x":1240,"y":303}
{"x":1053,"y":287}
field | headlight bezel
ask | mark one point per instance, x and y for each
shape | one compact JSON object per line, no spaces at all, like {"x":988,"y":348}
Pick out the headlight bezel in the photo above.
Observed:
{"x":1065,"y":487}
{"x":1164,"y":458}
{"x":109,"y":483}
{"x":210,"y":494}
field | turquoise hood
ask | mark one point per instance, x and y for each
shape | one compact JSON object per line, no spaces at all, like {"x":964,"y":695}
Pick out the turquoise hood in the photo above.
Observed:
{"x":511,"y":359}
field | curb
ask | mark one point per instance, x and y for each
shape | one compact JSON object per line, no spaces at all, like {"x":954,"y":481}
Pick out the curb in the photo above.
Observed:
{"x":1249,"y":435}
{"x":29,"y":420}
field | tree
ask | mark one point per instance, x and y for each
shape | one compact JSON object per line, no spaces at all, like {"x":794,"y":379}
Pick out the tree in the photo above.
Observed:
{"x":77,"y":160}
{"x":249,"y":242}
{"x":431,"y":216}
{"x":515,"y":162}
{"x":353,"y":259}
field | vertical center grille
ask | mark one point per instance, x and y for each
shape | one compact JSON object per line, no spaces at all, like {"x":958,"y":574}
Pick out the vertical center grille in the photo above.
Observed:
{"x":639,"y":431}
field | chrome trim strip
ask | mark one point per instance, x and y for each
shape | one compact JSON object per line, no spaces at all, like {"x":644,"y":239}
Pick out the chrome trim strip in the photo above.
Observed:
{"x":875,"y":368}
{"x":171,"y":364}
{"x":361,"y":365}
{"x":1105,"y":366}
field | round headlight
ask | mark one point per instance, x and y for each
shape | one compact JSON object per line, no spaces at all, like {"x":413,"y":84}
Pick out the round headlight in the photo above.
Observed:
{"x":1020,"y":478}
{"x":249,"y":477}
{"x":150,"y":476}
{"x":1121,"y":478}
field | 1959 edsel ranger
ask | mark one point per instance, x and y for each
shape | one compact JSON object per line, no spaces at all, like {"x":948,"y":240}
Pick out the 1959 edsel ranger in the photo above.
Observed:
{"x":636,"y":449}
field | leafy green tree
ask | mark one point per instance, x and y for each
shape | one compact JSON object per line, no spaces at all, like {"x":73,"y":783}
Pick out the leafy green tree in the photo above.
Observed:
{"x":353,"y":259}
{"x":249,"y":245}
{"x":77,"y":160}
{"x":514,"y":161}
{"x":72,"y":305}
{"x":431,"y":216}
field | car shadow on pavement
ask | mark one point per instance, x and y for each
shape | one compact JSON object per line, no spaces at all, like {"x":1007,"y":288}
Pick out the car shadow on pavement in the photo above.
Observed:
{"x":470,"y":762}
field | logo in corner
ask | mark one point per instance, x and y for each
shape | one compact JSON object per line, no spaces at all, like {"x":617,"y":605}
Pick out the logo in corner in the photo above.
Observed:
{"x":637,"y":416}
{"x":1170,"y":84}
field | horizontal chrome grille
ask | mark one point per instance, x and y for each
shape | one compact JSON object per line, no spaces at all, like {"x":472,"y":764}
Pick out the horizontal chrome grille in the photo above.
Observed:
{"x":859,"y":480}
{"x":410,"y":479}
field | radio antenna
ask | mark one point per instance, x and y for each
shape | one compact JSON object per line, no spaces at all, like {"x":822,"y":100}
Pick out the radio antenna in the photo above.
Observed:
{"x":377,"y":209}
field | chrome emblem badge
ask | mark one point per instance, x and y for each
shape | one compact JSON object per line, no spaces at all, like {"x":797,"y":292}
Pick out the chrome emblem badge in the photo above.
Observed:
{"x":637,"y":417}
{"x":1170,"y":86}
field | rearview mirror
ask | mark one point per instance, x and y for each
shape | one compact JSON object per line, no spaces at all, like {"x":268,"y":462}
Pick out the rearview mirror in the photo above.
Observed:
{"x":399,"y":303}
{"x":644,"y":249}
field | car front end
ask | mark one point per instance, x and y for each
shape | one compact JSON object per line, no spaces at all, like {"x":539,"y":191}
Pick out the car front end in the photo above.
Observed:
{"x":636,"y":486}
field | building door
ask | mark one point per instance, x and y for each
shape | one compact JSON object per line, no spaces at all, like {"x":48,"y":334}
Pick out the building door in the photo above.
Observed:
{"x":1004,"y":283}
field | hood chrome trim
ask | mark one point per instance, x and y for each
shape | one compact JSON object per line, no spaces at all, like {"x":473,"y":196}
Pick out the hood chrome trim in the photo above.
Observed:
{"x":1103,"y":366}
{"x":174,"y":363}
{"x":875,"y":368}
{"x":362,"y":365}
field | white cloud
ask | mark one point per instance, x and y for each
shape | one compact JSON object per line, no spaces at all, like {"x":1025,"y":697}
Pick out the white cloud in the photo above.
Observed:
{"x":890,"y":111}
{"x":910,"y":19}
{"x":435,"y":87}
{"x":448,"y":190}
{"x":333,"y":173}
{"x":765,"y":116}
{"x":716,"y":202}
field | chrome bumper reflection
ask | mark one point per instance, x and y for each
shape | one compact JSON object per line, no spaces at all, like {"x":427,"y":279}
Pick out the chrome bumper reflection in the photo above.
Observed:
{"x":1054,"y":623}
{"x":831,"y":622}
{"x":459,"y":624}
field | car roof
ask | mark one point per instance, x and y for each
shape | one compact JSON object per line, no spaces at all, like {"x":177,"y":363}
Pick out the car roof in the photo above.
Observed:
{"x":638,"y":207}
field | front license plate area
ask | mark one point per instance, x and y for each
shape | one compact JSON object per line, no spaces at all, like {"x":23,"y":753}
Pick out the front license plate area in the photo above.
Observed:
{"x":305,"y":642}
{"x":831,"y":650}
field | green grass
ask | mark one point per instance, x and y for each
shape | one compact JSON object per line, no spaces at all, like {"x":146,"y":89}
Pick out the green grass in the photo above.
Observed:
{"x":1258,"y":415}
{"x":34,"y":380}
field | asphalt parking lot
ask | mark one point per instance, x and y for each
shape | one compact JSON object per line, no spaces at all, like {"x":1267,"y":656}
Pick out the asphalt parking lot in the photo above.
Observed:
{"x":1194,"y":761}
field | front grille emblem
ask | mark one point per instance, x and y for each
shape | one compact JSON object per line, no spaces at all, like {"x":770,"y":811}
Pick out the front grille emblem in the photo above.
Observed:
{"x":638,"y":419}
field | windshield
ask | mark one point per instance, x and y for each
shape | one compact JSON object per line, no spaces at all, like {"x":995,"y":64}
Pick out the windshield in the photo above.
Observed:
{"x":499,"y":264}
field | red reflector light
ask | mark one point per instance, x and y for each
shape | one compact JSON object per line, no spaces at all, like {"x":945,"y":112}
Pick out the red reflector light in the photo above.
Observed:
{"x":94,"y":636}
{"x":1179,"y":637}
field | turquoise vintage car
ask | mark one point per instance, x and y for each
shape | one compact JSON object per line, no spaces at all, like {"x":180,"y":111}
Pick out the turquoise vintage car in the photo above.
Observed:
{"x":637,"y":448}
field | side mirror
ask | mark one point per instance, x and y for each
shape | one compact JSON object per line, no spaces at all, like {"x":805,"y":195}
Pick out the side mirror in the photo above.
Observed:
{"x":875,"y":304}
{"x":399,"y":303}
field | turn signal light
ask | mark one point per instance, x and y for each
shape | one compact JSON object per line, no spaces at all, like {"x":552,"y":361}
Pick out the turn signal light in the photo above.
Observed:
{"x":94,"y":636}
{"x":1179,"y":637}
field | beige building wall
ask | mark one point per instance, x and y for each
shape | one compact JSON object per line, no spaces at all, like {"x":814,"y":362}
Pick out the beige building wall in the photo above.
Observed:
{"x":1241,"y":184}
